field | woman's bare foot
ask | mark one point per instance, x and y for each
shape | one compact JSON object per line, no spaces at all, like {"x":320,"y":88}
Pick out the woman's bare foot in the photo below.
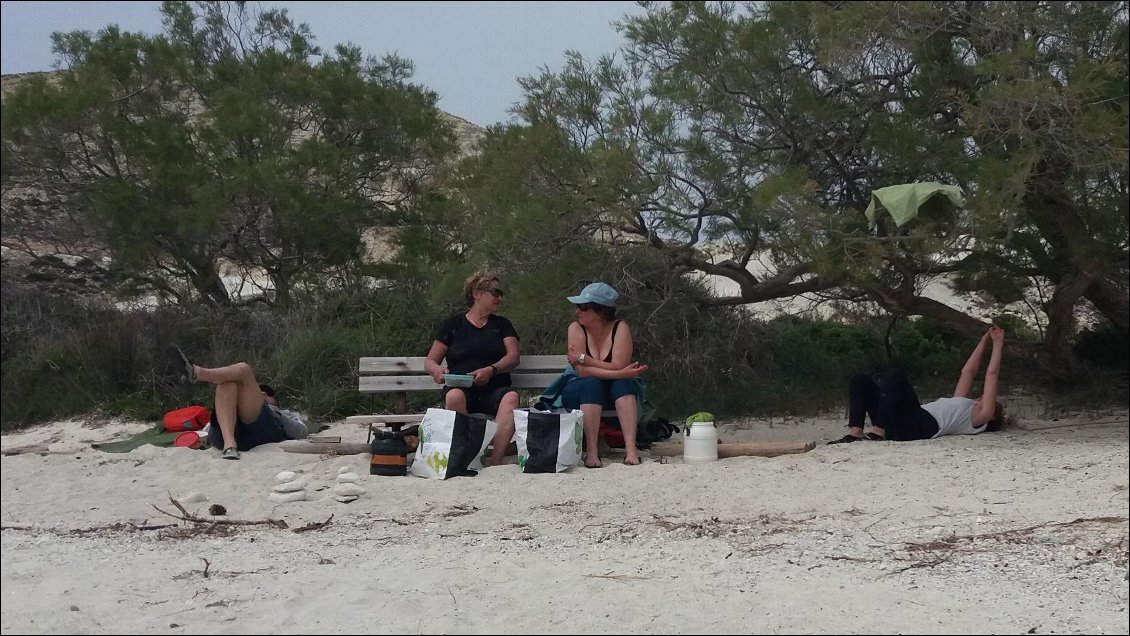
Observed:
{"x":593,"y":463}
{"x":632,"y":460}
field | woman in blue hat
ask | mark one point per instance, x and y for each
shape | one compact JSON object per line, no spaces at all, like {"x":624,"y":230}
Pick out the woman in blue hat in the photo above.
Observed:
{"x":600,"y":350}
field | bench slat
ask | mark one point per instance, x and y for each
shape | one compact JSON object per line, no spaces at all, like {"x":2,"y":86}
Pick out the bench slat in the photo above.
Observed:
{"x":385,"y":419}
{"x":391,"y":383}
{"x":415,"y":364}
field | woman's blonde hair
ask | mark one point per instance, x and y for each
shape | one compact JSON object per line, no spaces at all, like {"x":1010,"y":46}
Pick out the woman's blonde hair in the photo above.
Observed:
{"x":478,"y":281}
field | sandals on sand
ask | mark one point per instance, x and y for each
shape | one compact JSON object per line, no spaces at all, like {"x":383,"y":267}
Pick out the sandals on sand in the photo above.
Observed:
{"x":231,"y":453}
{"x":847,"y":439}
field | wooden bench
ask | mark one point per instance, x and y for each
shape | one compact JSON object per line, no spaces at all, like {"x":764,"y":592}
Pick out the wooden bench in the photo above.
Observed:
{"x":406,"y":374}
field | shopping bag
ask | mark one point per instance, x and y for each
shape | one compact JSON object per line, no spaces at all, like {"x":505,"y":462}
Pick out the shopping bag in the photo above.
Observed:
{"x":451,"y":444}
{"x":548,"y":441}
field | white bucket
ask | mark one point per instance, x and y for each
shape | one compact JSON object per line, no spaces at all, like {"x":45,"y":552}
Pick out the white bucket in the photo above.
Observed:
{"x":700,"y":443}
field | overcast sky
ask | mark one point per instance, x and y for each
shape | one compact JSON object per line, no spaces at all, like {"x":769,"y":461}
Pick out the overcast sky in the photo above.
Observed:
{"x":470,"y":53}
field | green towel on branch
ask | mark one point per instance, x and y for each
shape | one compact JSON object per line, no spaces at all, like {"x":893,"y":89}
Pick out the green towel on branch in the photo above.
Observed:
{"x":904,"y":201}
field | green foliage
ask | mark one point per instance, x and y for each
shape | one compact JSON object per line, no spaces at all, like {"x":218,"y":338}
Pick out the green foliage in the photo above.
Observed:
{"x":1105,"y":347}
{"x":63,"y":358}
{"x":730,"y":139}
{"x":230,"y":137}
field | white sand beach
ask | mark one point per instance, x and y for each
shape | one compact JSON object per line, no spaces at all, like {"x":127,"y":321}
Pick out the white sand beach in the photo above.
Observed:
{"x":1023,"y":531}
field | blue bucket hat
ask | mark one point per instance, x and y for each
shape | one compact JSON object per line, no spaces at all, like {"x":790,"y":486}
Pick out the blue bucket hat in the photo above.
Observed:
{"x":597,"y":293}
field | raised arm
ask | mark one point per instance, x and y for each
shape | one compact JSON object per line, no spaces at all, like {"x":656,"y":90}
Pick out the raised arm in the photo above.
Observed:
{"x":988,"y":404}
{"x":969,"y":371}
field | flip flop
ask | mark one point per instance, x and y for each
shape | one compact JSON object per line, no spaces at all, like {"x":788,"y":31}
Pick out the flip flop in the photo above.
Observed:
{"x":847,"y":439}
{"x":871,"y":437}
{"x":182,"y":368}
{"x":231,"y":453}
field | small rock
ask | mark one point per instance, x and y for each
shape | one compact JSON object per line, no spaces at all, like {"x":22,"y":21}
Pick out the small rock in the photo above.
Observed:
{"x":285,"y":476}
{"x":348,"y":490}
{"x":74,"y":608}
{"x":216,"y":510}
{"x":348,"y":478}
{"x":346,"y":499}
{"x":287,"y":497}
{"x":290,"y":486}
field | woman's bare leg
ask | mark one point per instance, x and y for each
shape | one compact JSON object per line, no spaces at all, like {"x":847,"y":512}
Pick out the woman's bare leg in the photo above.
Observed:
{"x":455,"y":400}
{"x":238,"y":396}
{"x":592,"y":434}
{"x":628,"y":413}
{"x":505,"y":420}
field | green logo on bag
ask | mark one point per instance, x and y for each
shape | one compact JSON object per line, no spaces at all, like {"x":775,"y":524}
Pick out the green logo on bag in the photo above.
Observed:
{"x":437,"y":461}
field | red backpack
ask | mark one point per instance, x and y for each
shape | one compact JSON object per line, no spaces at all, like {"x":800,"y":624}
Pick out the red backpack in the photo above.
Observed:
{"x":189,"y":418}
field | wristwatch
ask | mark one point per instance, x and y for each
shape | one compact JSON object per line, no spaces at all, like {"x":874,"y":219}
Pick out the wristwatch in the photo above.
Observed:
{"x":581,"y":358}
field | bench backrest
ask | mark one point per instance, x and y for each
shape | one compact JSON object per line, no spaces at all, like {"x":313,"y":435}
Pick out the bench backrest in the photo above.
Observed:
{"x":394,"y":375}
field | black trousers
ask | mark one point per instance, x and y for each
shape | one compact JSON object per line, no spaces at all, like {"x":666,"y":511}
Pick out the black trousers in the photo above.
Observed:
{"x":892,"y":404}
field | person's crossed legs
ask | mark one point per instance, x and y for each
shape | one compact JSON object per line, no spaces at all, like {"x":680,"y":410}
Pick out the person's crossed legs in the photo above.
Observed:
{"x":238,"y":398}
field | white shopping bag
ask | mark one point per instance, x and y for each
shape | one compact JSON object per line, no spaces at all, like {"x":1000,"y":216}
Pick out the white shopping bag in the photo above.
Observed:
{"x":548,"y":441}
{"x":451,"y":444}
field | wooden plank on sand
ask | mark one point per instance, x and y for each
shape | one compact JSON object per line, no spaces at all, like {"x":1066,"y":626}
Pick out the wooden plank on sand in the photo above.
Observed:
{"x":739,"y":449}
{"x":318,"y":448}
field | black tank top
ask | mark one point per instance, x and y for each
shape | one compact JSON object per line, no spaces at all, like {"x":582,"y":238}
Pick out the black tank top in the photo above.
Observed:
{"x":607,"y":358}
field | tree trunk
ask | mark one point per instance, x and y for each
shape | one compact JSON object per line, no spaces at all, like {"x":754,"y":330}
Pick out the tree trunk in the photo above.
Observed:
{"x":1056,"y":359}
{"x":1111,"y":301}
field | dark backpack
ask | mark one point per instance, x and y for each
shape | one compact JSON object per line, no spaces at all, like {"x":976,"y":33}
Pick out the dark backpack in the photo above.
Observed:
{"x":652,"y":429}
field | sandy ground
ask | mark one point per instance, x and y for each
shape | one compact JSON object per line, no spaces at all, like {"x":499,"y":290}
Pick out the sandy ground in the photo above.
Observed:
{"x":1017,"y":532}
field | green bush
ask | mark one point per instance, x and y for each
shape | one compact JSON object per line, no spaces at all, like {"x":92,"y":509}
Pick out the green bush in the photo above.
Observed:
{"x":1104,"y":346}
{"x":65,"y":356}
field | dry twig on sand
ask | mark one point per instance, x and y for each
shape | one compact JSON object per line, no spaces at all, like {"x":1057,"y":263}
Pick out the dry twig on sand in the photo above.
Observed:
{"x":1014,"y":535}
{"x":188,"y":516}
{"x":315,"y":526}
{"x":620,"y":578}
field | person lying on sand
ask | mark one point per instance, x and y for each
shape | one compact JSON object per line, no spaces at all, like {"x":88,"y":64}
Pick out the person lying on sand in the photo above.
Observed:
{"x":896,"y":414}
{"x":246,"y":413}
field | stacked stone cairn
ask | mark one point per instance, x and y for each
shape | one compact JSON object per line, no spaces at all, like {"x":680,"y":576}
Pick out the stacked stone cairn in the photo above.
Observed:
{"x":347,"y":489}
{"x":290,"y":488}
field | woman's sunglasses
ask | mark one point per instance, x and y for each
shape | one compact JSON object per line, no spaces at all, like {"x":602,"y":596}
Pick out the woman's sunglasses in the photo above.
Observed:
{"x":494,"y":291}
{"x":586,"y":307}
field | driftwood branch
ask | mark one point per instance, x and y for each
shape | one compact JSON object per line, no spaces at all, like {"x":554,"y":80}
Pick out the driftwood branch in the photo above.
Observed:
{"x":191,"y":518}
{"x":315,"y":526}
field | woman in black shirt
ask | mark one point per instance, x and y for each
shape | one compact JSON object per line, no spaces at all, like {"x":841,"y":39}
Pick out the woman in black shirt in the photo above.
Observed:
{"x":484,"y":346}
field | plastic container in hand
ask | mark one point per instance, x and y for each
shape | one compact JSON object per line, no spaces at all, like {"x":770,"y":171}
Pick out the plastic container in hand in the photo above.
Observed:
{"x":457,"y":380}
